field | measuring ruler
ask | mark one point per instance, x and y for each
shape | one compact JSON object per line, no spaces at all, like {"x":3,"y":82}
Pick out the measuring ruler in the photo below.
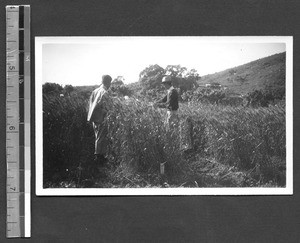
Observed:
{"x":18,"y":120}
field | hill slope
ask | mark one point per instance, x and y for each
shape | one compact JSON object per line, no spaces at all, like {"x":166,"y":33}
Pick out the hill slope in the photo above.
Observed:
{"x":265,"y":73}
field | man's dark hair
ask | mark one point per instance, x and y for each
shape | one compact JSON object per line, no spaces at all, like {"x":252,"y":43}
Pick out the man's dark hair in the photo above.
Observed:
{"x":106,"y":79}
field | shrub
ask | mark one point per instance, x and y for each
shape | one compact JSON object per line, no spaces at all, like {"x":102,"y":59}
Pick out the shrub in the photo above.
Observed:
{"x":209,"y":96}
{"x":52,"y":88}
{"x":258,"y":98}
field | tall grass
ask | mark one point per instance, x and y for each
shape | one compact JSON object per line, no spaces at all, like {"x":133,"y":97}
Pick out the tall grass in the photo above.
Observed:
{"x":211,"y":143}
{"x":142,"y":141}
{"x":67,"y":137}
{"x":244,"y":138}
{"x":240,"y":136}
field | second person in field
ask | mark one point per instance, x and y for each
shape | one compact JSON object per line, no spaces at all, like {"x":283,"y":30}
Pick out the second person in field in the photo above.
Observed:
{"x":170,"y":102}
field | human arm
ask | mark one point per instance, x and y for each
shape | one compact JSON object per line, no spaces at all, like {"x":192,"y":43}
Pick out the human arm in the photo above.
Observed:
{"x":91,"y":106}
{"x":161,"y":103}
{"x":163,"y":100}
{"x":171,"y":102}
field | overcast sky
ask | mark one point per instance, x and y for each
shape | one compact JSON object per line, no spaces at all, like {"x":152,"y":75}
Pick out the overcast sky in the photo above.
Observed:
{"x":82,"y":61}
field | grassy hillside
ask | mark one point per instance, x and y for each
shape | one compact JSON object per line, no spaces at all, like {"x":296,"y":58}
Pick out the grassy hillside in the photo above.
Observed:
{"x":265,"y":73}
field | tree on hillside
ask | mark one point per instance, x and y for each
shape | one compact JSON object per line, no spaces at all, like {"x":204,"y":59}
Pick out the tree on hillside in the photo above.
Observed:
{"x":52,"y":88}
{"x":184,"y":79}
{"x":151,"y":76}
{"x":175,"y":71}
{"x":68,"y":89}
{"x":152,"y":70}
{"x":118,"y":87}
{"x":118,"y":81}
{"x":192,"y":74}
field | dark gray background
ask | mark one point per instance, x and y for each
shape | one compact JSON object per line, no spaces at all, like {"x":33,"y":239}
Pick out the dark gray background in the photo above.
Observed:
{"x":160,"y":219}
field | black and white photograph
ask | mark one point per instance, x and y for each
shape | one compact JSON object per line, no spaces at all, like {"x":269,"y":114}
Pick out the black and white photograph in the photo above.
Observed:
{"x":187,"y":115}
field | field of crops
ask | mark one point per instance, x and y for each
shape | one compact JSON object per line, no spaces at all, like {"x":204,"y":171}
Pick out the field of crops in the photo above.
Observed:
{"x":212,"y":146}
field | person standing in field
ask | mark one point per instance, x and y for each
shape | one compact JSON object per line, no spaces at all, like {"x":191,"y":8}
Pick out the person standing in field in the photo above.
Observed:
{"x":170,"y":102}
{"x":99,"y":104}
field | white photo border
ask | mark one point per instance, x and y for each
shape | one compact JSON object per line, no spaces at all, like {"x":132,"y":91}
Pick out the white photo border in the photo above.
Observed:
{"x":288,"y":190}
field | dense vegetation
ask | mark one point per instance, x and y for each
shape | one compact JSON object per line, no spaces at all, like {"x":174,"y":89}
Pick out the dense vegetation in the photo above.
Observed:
{"x":219,"y":142}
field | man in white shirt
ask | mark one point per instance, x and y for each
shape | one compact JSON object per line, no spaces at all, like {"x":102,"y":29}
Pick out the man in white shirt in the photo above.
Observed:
{"x":100,"y":103}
